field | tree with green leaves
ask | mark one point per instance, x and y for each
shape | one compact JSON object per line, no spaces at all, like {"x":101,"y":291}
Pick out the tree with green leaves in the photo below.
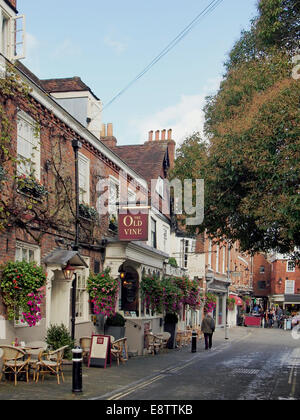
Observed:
{"x":250,"y":160}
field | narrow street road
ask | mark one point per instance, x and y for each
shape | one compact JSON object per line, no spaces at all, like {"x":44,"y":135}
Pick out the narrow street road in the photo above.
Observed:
{"x":254,"y":364}
{"x":262,"y":365}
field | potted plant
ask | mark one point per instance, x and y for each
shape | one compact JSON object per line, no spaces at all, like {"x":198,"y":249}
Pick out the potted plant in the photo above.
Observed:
{"x":115,"y":326}
{"x":58,"y":336}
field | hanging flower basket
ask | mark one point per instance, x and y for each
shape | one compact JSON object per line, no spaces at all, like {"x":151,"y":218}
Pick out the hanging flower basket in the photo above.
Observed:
{"x":21,"y":283}
{"x":151,"y":292}
{"x":210,"y":302}
{"x":230,"y":304}
{"x":103,"y":290}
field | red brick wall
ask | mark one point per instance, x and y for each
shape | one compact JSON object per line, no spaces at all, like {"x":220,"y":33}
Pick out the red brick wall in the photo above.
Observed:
{"x":280,"y":275}
{"x":52,"y":133}
{"x":260,"y":261}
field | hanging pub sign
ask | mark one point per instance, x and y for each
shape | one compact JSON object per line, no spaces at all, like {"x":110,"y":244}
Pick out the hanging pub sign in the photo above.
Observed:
{"x":133,"y":227}
{"x":100,"y":351}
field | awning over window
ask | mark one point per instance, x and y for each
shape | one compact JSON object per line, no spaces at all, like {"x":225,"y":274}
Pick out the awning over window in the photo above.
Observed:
{"x":238,"y":300}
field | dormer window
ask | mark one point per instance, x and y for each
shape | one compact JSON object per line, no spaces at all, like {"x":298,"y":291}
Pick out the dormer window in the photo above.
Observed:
{"x":12,"y":30}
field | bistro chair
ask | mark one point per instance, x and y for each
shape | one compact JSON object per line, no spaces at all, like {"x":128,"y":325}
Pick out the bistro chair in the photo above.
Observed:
{"x":14,"y":362}
{"x":119,"y":350}
{"x":51,"y":363}
{"x":154,"y":343}
{"x":34,"y":358}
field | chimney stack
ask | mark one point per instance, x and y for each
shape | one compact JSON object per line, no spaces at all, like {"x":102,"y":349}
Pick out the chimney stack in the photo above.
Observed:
{"x":107,"y":136}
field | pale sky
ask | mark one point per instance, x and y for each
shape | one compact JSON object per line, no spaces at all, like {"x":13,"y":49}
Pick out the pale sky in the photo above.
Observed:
{"x":108,"y":43}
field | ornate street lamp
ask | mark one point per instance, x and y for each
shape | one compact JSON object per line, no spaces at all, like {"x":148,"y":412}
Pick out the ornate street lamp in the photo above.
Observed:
{"x":69,"y":272}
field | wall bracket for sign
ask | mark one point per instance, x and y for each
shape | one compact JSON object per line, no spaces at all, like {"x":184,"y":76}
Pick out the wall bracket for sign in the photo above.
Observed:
{"x":100,"y":351}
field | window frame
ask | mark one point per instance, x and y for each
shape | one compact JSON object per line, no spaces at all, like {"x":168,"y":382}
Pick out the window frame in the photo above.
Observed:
{"x":84,"y":194}
{"x":34,"y":166}
{"x":288,"y":270}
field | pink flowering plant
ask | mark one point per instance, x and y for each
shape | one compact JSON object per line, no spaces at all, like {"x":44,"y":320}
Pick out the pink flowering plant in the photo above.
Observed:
{"x":21,"y":283}
{"x":210,"y":302}
{"x":103,"y":290}
{"x":151,"y":292}
{"x":170,"y":294}
{"x":190,"y":290}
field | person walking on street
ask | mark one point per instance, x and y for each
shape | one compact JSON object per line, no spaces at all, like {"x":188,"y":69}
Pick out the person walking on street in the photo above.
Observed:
{"x":208,"y":328}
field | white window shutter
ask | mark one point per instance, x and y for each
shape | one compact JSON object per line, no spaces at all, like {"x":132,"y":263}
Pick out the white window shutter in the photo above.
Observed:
{"x":17,"y":45}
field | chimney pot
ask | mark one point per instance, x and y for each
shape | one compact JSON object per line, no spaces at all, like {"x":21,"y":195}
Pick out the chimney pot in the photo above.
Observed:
{"x":109,"y":130}
{"x":157,"y":135}
{"x":103,"y":130}
{"x":150,"y":135}
{"x":170,"y":134}
{"x":163,"y":135}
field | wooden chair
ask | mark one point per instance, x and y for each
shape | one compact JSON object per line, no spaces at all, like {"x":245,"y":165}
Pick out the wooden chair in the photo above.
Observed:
{"x":180,"y":338}
{"x":119,"y":350}
{"x":154,"y":343}
{"x":14,"y":362}
{"x":165,"y":336}
{"x":51,"y":363}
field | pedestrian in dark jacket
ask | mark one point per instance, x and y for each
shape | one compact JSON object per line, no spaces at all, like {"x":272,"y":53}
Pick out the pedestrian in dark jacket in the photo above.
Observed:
{"x":208,"y":328}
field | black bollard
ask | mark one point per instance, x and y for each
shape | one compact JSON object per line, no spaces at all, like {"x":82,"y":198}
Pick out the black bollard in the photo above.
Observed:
{"x":194,"y":342}
{"x":77,"y":369}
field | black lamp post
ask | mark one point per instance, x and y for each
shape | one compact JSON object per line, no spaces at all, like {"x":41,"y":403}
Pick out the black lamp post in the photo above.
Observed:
{"x":76,"y":144}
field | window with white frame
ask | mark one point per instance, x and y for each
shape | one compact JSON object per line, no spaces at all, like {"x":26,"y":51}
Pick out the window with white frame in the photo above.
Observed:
{"x":209,"y":253}
{"x":114,"y":196}
{"x":28,"y":253}
{"x":84,"y":178}
{"x":224,"y":260}
{"x":289,"y":287}
{"x":290,"y":266}
{"x":81,"y":302}
{"x":153,"y":233}
{"x":160,"y":187}
{"x":217,"y":257}
{"x":12,"y":32}
{"x":165,"y":238}
{"x":28,"y":146}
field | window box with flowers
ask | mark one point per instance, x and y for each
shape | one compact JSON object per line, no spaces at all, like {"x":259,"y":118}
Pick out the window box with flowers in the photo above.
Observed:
{"x":30,"y":186}
{"x":103,"y":290}
{"x":21,"y":283}
{"x":88,"y":212}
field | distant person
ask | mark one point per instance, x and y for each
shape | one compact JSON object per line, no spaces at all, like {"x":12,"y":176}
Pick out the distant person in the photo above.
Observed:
{"x":208,"y":328}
